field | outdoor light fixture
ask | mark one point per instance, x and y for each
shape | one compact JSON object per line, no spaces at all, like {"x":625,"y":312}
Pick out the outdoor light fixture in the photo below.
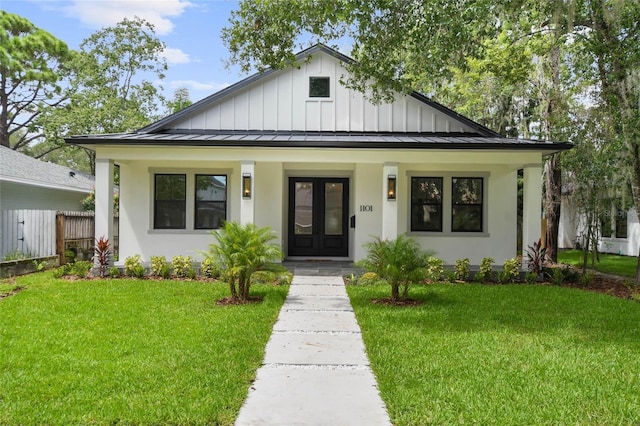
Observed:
{"x":391,"y":187}
{"x":246,"y":185}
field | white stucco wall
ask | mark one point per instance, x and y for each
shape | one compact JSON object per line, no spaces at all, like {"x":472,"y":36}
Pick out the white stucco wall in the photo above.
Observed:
{"x":364,"y":169}
{"x":625,"y":246}
{"x":15,"y":196}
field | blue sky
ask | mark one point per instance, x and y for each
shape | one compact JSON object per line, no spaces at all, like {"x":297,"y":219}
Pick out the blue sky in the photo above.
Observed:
{"x":190,"y":29}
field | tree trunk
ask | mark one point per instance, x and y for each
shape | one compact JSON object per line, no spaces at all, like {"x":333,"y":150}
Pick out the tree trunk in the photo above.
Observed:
{"x":585,"y":255}
{"x":553,"y":197}
{"x":4,"y":113}
{"x":395,"y":291}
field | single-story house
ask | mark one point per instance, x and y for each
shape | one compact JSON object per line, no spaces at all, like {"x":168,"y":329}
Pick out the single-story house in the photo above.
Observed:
{"x":30,"y":184}
{"x":620,"y":231}
{"x":327,"y":170}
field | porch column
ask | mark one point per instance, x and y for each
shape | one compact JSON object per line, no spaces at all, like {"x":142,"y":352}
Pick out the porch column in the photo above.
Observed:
{"x":247,"y":169}
{"x":531,"y":207}
{"x":389,"y":207}
{"x":104,"y":202}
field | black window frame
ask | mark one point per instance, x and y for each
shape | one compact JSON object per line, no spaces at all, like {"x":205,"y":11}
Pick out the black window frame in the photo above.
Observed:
{"x":223,"y":204}
{"x":318,"y":79}
{"x":415,"y":204}
{"x":469,"y":206}
{"x":622,"y":223}
{"x":159,"y":205}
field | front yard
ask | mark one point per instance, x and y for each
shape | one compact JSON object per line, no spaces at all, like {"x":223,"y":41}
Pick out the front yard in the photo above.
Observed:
{"x":503,"y":355}
{"x":128,"y":351}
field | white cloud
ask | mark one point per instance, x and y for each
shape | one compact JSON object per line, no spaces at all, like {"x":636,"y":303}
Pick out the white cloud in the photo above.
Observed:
{"x":197,"y":85}
{"x":101,"y":13}
{"x":175,"y":56}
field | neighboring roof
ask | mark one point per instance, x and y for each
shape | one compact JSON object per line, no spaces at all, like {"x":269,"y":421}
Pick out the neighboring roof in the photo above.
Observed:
{"x":20,"y":168}
{"x":320,"y":140}
{"x":161,"y":134}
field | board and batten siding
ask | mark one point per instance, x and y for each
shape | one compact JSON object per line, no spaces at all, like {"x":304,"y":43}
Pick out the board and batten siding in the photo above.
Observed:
{"x":28,"y":232}
{"x":281,"y":102}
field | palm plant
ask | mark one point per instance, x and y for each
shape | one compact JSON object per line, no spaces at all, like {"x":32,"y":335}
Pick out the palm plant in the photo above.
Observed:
{"x":240,"y":252}
{"x":400,"y":262}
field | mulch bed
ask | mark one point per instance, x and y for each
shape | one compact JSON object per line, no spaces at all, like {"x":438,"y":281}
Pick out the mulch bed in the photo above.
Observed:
{"x":607,"y":284}
{"x":231,"y":301}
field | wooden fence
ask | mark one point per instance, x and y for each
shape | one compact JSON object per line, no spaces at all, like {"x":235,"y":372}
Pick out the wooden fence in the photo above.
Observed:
{"x":42,"y":233}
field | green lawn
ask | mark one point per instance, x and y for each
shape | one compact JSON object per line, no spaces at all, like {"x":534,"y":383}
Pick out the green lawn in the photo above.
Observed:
{"x":128,"y":351}
{"x":504,"y":355}
{"x":609,"y":263}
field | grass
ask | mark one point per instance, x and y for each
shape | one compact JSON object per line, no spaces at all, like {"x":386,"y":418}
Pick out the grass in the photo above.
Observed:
{"x":129,"y":351}
{"x":609,"y":263}
{"x":503,"y":355}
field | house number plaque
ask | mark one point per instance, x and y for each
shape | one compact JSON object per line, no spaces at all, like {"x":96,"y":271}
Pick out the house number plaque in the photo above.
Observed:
{"x":366,"y":208}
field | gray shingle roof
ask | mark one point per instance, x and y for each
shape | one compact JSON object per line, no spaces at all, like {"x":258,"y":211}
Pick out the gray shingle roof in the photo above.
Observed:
{"x":18,"y":167}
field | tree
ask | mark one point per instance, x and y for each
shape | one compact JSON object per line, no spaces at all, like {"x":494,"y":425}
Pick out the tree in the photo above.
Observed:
{"x":30,"y":65}
{"x":241,"y":251}
{"x":180,"y":100}
{"x":109,"y":90}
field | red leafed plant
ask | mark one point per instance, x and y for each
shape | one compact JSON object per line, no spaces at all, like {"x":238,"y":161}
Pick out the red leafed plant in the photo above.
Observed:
{"x":102,"y":252}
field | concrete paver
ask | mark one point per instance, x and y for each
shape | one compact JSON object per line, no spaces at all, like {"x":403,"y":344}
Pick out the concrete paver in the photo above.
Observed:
{"x":315,"y":371}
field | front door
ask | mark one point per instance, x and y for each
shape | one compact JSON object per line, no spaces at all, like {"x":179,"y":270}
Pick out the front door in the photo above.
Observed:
{"x":318,"y":217}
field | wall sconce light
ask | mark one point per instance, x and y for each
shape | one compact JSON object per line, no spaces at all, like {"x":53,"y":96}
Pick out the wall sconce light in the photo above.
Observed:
{"x":246,"y":185}
{"x":391,"y":187}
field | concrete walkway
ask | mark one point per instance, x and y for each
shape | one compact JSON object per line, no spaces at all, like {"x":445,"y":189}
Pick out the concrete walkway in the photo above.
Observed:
{"x":315,"y":370}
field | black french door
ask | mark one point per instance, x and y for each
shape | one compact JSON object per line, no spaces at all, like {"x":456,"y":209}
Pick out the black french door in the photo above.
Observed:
{"x":318,"y":217}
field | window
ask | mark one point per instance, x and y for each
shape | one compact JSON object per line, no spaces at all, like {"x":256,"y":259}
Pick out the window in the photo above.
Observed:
{"x":426,"y":204}
{"x":466,"y":204}
{"x":170,"y":192}
{"x":621,"y":223}
{"x":319,"y":87}
{"x":210,"y":201}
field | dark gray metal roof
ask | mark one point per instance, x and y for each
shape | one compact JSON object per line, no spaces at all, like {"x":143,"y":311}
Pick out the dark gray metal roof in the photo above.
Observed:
{"x":18,"y":167}
{"x":318,"y":140}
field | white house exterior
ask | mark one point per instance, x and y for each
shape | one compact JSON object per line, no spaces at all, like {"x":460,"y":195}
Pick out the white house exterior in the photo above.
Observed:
{"x":296,"y":151}
{"x":30,"y":184}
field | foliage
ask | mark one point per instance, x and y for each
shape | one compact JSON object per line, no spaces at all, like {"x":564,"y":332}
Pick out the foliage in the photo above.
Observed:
{"x":208,"y":268}
{"x":70,"y":256}
{"x":531,"y":277}
{"x":435,"y":269}
{"x":486,"y":270}
{"x":183,"y":267}
{"x":157,"y":344}
{"x":608,"y":263}
{"x":535,"y":257}
{"x":180,"y":100}
{"x":31,"y":60}
{"x":139,"y":271}
{"x":557,"y":276}
{"x":88,"y":203}
{"x":102,"y":252}
{"x":240,"y":251}
{"x":110,"y":87}
{"x":114,"y":272}
{"x":586,"y":278}
{"x":510,"y":271}
{"x":400,"y":262}
{"x":461,"y":269}
{"x":368,"y":278}
{"x":159,"y":267}
{"x":131,"y":263}
{"x":16,"y":255}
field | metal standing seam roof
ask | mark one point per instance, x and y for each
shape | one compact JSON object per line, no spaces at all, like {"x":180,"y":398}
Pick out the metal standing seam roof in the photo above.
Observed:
{"x":318,"y":140}
{"x":18,"y":167}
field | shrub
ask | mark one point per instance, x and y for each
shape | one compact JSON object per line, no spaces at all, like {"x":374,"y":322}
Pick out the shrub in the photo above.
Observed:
{"x":510,"y":271}
{"x":531,"y":277}
{"x":535,"y":256}
{"x":183,"y":267}
{"x":139,"y":271}
{"x":80,"y":268}
{"x":114,"y":272}
{"x":102,"y":253}
{"x":240,"y":252}
{"x":368,"y":278}
{"x":208,"y":268}
{"x":400,"y":262}
{"x":131,"y":263}
{"x":486,"y":270}
{"x":435,"y":269}
{"x":461,"y":269}
{"x":587,"y":278}
{"x":159,"y":267}
{"x":69,"y":256}
{"x":61,"y":271}
{"x":557,"y":276}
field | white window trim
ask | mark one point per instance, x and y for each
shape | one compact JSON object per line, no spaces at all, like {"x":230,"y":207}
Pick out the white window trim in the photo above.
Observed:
{"x":447,"y":186}
{"x":190,"y":198}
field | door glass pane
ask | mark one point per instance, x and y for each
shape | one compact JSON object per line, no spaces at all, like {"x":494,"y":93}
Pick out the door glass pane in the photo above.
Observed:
{"x":304,"y":208}
{"x":333,"y":208}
